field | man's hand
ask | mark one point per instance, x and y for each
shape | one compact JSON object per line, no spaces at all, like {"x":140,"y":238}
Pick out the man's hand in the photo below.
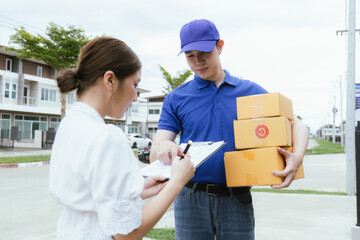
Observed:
{"x":293,"y":161}
{"x":167,"y":151}
{"x":152,"y":186}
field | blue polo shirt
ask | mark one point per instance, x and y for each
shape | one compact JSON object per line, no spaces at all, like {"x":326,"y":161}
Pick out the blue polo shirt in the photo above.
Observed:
{"x":203,"y":112}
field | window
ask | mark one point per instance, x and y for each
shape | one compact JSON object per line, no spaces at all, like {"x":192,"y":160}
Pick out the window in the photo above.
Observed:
{"x":154,"y":111}
{"x":7,"y":90}
{"x":13,"y":91}
{"x":48,"y":95}
{"x":70,"y":98}
{"x":135,"y":108}
{"x":28,"y":124}
{"x":134,"y":128}
{"x":8,"y":65}
{"x":152,"y":129}
{"x":54,"y":122}
{"x":10,"y":90}
{"x":39,"y":71}
{"x":5,"y":126}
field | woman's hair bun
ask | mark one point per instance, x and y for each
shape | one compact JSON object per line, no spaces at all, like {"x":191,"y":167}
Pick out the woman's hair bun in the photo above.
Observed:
{"x":68,"y":80}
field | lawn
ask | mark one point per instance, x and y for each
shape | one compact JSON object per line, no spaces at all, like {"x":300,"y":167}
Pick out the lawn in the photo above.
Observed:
{"x":25,"y":159}
{"x":325,"y":147}
{"x":162,"y":233}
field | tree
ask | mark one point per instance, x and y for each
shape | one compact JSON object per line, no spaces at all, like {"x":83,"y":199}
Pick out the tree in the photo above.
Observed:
{"x":174,"y":82}
{"x":59,"y":48}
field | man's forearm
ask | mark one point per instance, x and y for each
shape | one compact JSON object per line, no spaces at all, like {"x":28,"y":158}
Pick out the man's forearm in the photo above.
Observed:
{"x":300,"y":135}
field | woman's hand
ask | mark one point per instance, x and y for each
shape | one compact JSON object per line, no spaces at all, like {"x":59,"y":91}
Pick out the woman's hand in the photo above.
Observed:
{"x":182,"y":170}
{"x":152,"y":186}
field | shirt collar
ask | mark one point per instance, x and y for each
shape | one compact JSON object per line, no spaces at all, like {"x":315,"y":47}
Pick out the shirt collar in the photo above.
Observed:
{"x":229,"y":79}
{"x":201,"y":83}
{"x":87,"y":109}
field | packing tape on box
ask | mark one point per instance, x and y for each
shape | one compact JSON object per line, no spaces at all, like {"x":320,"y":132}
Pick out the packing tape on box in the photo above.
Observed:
{"x":251,"y":180}
{"x":257,"y":105}
{"x":249,"y":155}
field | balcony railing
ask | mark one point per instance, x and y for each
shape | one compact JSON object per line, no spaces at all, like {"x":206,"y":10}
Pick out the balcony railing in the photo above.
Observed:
{"x":30,"y":101}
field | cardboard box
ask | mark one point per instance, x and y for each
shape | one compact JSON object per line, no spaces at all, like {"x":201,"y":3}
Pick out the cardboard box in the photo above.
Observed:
{"x":262,"y":132}
{"x":300,"y":172}
{"x":254,"y":167}
{"x":264,"y":105}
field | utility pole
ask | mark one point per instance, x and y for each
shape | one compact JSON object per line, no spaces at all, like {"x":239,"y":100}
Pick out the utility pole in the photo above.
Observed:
{"x":350,"y":104}
{"x":350,"y":101}
{"x":341,"y":115}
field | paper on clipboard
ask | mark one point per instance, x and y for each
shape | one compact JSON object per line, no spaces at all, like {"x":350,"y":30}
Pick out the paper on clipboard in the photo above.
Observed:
{"x":199,"y":152}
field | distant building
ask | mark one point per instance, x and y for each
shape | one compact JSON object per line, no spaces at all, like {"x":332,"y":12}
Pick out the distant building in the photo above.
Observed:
{"x":30,"y":101}
{"x":154,"y":106}
{"x":327,"y":132}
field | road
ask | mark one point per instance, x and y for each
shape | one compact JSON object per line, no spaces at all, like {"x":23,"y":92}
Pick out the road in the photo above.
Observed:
{"x":28,"y":212}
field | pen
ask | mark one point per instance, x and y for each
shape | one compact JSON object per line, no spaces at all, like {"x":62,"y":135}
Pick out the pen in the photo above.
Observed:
{"x":186,"y":149}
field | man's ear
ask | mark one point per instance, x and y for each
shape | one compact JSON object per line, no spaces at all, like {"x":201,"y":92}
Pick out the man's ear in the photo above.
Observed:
{"x":109,"y":80}
{"x":220,"y":45}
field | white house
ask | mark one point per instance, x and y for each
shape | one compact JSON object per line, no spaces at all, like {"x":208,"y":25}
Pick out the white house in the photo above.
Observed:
{"x":30,"y":101}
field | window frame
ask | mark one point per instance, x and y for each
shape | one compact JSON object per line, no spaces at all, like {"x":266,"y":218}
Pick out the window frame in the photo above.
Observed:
{"x":6,"y":64}
{"x":11,"y":91}
{"x":37,"y":71}
{"x":48,"y":95}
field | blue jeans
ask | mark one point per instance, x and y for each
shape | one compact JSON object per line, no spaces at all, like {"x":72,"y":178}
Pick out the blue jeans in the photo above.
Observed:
{"x":199,"y":216}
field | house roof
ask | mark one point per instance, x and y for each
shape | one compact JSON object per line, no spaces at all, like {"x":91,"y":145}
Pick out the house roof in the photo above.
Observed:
{"x":14,"y":54}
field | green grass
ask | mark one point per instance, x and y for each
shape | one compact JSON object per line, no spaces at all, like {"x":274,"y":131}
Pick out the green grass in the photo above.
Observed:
{"x":162,"y":234}
{"x":325,"y":147}
{"x":25,"y":159}
{"x":299,"y":191}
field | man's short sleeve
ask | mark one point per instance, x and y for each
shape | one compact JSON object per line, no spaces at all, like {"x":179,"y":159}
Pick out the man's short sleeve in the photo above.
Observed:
{"x":169,"y":119}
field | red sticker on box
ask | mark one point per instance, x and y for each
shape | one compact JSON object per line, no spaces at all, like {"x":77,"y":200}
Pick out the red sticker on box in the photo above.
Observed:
{"x":262,"y":131}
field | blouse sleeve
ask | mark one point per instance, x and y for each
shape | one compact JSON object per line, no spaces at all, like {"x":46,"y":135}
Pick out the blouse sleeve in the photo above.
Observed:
{"x":112,"y":173}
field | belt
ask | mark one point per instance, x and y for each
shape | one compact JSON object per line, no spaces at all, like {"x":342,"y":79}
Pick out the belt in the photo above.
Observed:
{"x":214,"y":189}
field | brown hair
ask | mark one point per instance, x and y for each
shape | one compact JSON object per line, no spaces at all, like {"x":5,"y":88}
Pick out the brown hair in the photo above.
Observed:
{"x":98,"y":56}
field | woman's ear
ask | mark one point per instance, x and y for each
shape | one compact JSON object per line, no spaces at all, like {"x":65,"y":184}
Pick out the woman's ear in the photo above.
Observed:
{"x":109,"y":80}
{"x":220,"y":45}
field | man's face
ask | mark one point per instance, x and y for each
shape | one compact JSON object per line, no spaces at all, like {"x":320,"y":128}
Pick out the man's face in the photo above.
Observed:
{"x":205,"y":64}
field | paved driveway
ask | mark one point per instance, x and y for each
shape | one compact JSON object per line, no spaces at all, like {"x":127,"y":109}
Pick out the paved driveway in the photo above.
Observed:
{"x":28,"y":212}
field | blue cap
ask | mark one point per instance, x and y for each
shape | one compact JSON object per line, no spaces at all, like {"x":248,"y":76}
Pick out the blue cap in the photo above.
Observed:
{"x":198,"y":35}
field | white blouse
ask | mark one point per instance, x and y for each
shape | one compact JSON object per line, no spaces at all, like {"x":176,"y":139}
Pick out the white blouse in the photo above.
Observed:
{"x":95,"y":176}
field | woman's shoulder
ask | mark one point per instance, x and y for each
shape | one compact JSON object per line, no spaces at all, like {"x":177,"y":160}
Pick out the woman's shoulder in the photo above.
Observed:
{"x":110,"y":132}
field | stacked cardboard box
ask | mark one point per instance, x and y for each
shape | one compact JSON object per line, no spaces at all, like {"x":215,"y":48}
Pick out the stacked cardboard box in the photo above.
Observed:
{"x":262,"y":125}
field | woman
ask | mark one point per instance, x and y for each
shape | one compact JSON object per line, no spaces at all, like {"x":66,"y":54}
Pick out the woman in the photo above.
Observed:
{"x":93,"y":171}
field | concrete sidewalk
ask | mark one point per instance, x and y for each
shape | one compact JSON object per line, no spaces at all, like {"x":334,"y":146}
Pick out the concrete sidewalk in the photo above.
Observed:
{"x":24,"y":152}
{"x":304,"y":216}
{"x":28,"y":212}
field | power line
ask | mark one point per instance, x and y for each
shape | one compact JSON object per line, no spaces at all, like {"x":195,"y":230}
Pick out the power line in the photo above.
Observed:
{"x":1,"y":25}
{"x":18,"y":23}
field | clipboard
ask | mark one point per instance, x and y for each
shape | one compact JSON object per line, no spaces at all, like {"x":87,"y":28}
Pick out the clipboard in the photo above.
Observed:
{"x":199,"y":152}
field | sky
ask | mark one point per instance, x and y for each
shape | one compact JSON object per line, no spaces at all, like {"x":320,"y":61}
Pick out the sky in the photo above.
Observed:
{"x":286,"y":46}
